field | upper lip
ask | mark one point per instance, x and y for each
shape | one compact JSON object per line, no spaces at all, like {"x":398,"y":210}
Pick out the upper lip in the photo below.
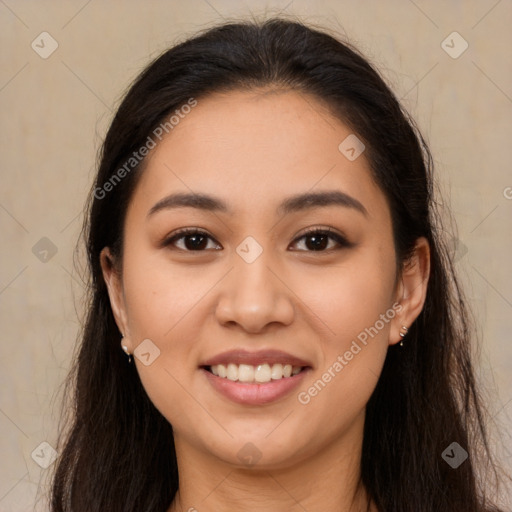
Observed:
{"x":240,"y":356}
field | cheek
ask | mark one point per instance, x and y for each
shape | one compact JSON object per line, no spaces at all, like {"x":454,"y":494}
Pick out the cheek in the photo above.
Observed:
{"x":159,"y":295}
{"x":351,"y":297}
{"x":352,"y":359}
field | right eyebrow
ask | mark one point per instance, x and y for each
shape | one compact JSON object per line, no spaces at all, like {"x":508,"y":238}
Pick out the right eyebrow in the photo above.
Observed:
{"x":191,"y":200}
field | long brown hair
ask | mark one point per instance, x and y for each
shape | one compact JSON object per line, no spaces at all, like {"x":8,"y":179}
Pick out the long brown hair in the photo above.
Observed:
{"x":118,"y":452}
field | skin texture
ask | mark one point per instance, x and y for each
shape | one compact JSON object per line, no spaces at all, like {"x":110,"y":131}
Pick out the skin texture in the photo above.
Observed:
{"x":253,"y":150}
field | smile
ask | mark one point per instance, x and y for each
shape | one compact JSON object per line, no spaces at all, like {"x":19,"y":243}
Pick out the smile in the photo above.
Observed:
{"x":253,"y":392}
{"x":250,"y":374}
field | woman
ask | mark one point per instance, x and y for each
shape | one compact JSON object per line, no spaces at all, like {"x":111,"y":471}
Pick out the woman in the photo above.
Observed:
{"x":274,"y":321}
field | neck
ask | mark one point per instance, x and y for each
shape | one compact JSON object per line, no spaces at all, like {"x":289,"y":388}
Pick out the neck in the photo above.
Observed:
{"x":327,"y":481}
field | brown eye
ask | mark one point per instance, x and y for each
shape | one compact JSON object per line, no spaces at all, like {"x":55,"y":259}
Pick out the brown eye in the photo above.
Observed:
{"x":318,"y":240}
{"x":193,"y":240}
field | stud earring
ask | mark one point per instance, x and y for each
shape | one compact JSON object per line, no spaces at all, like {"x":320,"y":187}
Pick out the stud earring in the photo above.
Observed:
{"x":125,"y":348}
{"x":402,"y":334}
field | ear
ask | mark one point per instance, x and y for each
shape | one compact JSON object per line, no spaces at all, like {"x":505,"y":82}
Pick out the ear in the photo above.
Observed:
{"x":114,"y":284}
{"x":412,"y":289}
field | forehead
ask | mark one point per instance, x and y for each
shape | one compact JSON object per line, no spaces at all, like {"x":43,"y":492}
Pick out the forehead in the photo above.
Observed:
{"x":256,"y":147}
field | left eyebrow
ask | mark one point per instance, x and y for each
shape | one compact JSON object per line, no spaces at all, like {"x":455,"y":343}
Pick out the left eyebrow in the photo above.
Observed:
{"x":291,"y":204}
{"x":320,"y":199}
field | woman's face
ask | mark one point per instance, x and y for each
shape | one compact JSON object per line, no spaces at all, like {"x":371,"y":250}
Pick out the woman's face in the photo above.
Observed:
{"x":252,"y":285}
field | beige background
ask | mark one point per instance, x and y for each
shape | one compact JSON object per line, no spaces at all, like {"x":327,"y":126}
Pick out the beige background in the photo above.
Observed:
{"x":56,"y":111}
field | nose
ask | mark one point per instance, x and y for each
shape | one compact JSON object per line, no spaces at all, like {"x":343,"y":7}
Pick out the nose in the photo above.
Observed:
{"x":254,"y":296}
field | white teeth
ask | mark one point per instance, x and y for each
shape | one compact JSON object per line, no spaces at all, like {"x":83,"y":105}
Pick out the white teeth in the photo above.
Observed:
{"x":277,"y":371}
{"x":261,"y":373}
{"x":232,"y":372}
{"x":245,"y":373}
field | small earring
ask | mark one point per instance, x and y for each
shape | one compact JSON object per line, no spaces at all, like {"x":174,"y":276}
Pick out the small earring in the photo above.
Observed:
{"x":125,"y":348}
{"x":402,"y":334}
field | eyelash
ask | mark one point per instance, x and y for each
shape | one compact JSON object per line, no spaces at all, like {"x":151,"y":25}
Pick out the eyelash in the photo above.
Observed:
{"x":333,"y":235}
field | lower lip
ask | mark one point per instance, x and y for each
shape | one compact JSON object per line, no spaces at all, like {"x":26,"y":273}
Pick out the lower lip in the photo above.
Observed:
{"x":255,"y":393}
